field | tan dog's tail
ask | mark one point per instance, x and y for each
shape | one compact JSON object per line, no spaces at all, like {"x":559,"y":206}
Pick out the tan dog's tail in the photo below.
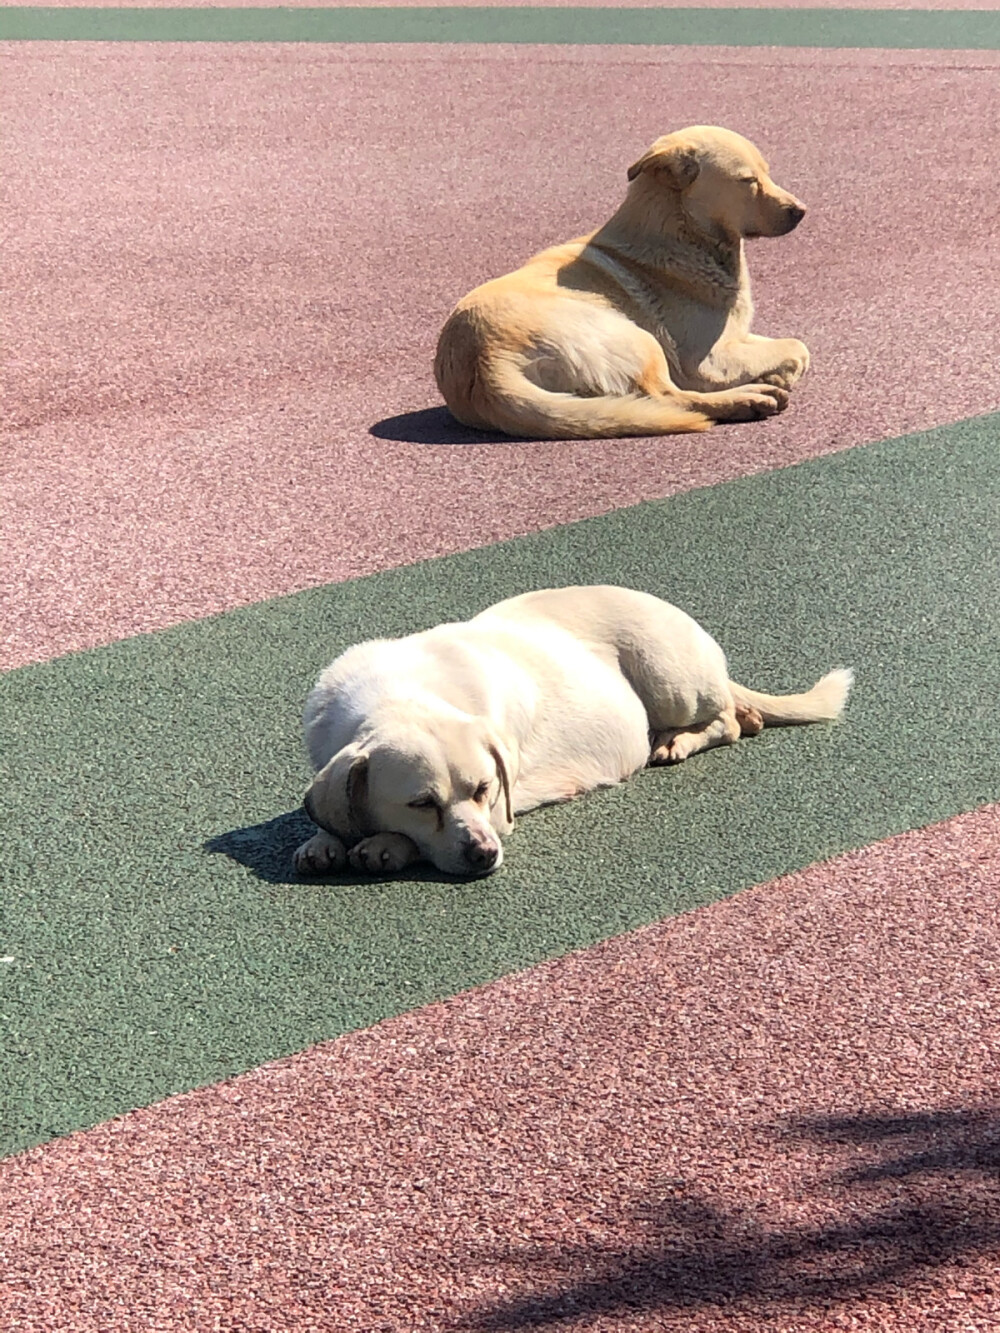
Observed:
{"x":532,"y":411}
{"x":496,"y":394}
{"x":823,"y":703}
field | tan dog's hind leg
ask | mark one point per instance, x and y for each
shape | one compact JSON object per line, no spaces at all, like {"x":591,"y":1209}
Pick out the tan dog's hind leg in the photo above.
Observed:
{"x":750,"y":402}
{"x":670,"y":747}
{"x":588,"y":389}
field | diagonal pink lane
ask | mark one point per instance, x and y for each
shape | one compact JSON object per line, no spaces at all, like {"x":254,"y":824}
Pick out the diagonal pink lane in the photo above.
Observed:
{"x":776,"y":1114}
{"x":227,"y":264}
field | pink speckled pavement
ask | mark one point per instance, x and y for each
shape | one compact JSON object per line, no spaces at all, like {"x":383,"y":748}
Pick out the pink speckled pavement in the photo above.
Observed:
{"x":227,"y":268}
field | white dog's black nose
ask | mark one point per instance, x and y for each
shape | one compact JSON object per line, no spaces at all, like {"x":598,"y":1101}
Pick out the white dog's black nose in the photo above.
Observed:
{"x":481,"y":856}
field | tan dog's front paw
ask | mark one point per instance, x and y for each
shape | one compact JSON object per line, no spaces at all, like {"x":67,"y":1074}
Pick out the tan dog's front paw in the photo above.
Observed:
{"x":322,"y":854}
{"x":791,"y":368}
{"x":383,"y":854}
{"x":754,"y":401}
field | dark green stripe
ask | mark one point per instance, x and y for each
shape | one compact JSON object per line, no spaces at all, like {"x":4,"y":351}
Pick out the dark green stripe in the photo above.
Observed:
{"x":945,"y":30}
{"x":145,"y":963}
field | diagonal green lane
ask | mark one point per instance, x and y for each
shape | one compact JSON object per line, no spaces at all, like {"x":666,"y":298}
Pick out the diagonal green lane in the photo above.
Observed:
{"x":144,"y":962}
{"x":885,"y":28}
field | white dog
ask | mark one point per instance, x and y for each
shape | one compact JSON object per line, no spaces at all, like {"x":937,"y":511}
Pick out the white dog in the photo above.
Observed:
{"x":427,"y":747}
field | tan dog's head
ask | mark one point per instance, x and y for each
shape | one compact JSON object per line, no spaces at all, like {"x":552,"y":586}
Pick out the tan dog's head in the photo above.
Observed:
{"x":722,"y":183}
{"x":442,"y":779}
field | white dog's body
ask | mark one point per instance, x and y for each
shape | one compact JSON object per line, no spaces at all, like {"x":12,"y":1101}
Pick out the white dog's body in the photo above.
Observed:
{"x":427,"y":746}
{"x":540,"y":687}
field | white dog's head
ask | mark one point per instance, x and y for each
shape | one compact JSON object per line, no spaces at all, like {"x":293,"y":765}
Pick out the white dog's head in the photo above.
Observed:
{"x":441,"y":778}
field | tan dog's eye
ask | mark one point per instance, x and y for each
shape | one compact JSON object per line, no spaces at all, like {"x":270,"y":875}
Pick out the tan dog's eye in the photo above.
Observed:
{"x":482,"y":791}
{"x":424,"y":803}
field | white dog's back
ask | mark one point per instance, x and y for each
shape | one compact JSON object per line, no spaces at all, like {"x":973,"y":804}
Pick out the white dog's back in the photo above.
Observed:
{"x":575,"y":720}
{"x":578,"y":683}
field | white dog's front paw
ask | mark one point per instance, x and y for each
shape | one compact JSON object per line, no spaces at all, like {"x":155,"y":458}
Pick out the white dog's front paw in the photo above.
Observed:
{"x":320,"y":855}
{"x":383,"y":854}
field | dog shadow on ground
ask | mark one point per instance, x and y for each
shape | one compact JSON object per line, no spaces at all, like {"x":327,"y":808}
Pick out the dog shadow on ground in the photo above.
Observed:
{"x":266,"y":850}
{"x":434,"y":425}
{"x":919,"y":1193}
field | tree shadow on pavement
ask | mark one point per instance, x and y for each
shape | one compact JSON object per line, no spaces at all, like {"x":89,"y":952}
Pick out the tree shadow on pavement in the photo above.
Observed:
{"x":922,"y":1192}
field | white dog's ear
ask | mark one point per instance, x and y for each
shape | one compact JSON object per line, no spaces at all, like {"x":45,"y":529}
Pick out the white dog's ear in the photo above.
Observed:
{"x":337,"y":800}
{"x":506,"y":761}
{"x":677,"y":165}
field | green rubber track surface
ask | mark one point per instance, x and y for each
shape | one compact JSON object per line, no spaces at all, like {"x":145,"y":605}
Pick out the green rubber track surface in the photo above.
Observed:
{"x":153,"y":938}
{"x":884,"y":28}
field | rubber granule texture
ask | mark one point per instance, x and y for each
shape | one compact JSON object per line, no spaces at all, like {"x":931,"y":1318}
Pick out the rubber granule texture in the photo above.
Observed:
{"x":156,"y":934}
{"x":775,"y":1115}
{"x":226,"y":394}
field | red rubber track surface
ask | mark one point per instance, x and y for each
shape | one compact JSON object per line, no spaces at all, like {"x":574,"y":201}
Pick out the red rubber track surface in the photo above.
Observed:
{"x":228,"y":265}
{"x":727,"y":1121}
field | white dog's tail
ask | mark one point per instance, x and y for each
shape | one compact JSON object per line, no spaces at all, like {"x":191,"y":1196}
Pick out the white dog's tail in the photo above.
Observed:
{"x":823,"y":703}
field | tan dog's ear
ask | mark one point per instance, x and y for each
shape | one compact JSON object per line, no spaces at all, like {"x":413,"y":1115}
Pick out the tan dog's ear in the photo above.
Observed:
{"x":338,"y":798}
{"x":677,"y":164}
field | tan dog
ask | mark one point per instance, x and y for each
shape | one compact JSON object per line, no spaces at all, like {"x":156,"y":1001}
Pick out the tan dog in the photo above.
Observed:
{"x":426,"y":747}
{"x":642,"y":327}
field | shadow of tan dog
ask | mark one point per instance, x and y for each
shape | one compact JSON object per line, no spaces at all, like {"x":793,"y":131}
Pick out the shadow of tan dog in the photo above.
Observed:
{"x":642,"y":327}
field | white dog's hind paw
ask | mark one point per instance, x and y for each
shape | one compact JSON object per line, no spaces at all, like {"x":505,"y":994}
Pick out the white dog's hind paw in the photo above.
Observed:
{"x":320,"y":855}
{"x":671,"y":747}
{"x":383,"y":854}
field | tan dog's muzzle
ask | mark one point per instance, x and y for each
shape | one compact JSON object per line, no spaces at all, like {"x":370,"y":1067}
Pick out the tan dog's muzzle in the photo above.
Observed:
{"x":794,"y":213}
{"x":788,"y":212}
